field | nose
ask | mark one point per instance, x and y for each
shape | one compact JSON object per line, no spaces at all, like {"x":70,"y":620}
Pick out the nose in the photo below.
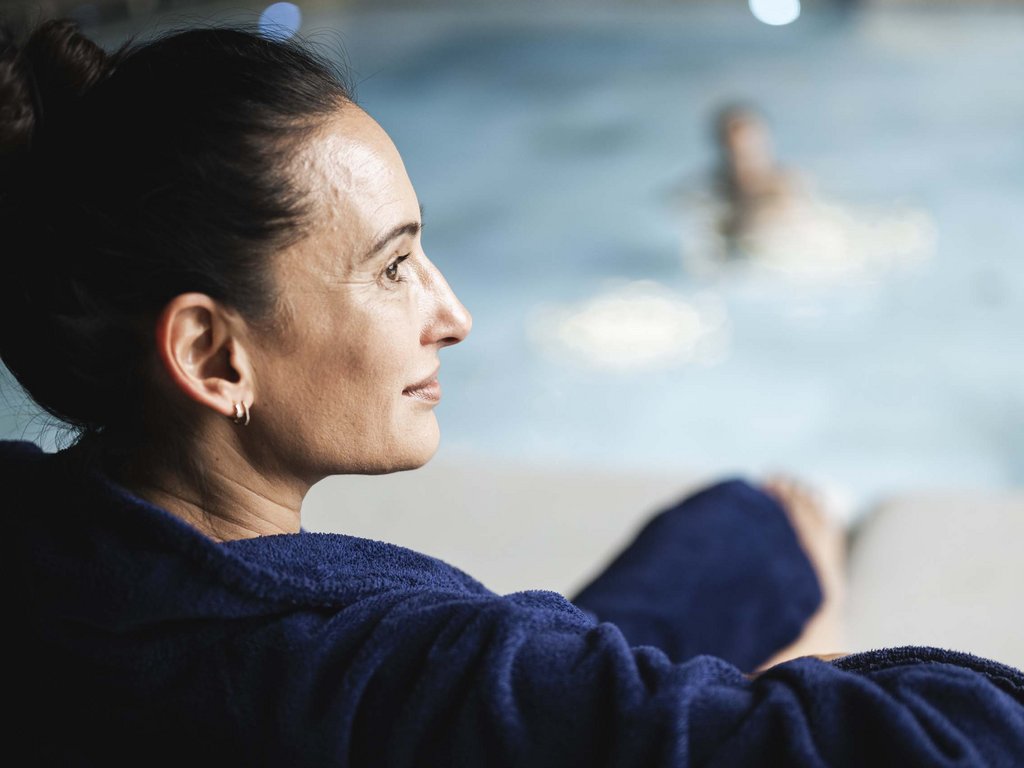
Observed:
{"x":449,"y":321}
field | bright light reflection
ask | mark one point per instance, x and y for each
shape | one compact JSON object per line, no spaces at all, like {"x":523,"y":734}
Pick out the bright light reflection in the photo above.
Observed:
{"x":811,"y":240}
{"x":639,"y":325}
{"x":775,"y":12}
{"x":280,"y":21}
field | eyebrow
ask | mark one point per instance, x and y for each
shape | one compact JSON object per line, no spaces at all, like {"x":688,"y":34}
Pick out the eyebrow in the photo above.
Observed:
{"x":409,"y":228}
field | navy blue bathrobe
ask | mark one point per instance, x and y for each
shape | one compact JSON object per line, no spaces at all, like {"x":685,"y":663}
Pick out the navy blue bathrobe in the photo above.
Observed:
{"x":137,"y":638}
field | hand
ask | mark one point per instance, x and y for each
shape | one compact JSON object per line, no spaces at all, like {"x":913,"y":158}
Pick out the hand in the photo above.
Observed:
{"x":824,"y":542}
{"x":823,"y":657}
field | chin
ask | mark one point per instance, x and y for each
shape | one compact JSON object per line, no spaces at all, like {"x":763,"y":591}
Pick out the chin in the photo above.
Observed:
{"x":415,"y":463}
{"x":411,"y":452}
{"x":425,"y":448}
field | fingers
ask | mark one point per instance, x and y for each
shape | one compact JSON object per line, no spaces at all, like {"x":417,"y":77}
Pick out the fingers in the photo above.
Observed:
{"x":823,"y":540}
{"x":805,"y":507}
{"x":792,"y":493}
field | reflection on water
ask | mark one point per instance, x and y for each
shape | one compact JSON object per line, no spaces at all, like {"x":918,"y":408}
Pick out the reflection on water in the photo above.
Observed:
{"x":757,"y":222}
{"x":806,"y":239}
{"x":641,"y":325}
{"x":759,"y":216}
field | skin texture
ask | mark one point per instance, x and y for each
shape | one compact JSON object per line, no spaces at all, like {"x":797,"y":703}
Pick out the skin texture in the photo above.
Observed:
{"x":331,"y":388}
{"x":368,"y":328}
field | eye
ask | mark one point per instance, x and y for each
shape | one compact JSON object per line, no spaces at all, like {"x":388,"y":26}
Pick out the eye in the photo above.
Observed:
{"x":391,"y":271}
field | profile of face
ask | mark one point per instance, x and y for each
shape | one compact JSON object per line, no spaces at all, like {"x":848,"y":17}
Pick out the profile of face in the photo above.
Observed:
{"x":351,"y":384}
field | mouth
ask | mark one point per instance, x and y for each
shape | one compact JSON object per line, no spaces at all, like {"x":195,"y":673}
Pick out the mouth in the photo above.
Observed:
{"x":428,"y":390}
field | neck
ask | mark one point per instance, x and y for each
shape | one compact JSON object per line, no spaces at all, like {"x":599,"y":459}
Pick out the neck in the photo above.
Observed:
{"x":219,"y":492}
{"x":236,"y":511}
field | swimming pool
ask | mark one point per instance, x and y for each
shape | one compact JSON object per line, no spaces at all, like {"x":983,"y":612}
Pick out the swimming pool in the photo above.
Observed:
{"x":545,"y":148}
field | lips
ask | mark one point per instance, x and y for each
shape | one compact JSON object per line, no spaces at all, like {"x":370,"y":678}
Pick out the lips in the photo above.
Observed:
{"x":428,"y":390}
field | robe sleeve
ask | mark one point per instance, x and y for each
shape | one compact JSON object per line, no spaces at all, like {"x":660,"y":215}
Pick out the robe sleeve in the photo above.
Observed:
{"x":719,"y":573}
{"x":527,"y":680}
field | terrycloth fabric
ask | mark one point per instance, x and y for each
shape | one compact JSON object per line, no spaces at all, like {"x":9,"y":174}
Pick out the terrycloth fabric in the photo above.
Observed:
{"x":721,"y":573}
{"x":137,"y":638}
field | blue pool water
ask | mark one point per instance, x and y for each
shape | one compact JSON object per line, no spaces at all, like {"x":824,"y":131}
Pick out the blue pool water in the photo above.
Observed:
{"x":546,"y":148}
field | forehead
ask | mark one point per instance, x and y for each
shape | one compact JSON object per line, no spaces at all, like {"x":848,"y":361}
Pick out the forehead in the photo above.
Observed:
{"x":357,"y":180}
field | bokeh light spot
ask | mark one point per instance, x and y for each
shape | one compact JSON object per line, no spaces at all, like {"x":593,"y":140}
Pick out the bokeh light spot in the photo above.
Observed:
{"x":280,"y":21}
{"x":775,"y":12}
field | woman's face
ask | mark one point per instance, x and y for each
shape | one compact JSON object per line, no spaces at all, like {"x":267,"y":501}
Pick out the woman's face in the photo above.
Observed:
{"x":352,"y":385}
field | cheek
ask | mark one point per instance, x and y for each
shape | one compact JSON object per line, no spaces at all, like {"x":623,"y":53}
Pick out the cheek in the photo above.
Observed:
{"x":353,"y":356}
{"x":362,"y":358}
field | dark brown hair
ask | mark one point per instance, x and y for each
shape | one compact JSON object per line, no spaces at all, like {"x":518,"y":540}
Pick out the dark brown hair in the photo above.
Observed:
{"x":132,"y":177}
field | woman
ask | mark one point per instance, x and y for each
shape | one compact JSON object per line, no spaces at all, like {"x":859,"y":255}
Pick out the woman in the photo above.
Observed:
{"x":216,"y":276}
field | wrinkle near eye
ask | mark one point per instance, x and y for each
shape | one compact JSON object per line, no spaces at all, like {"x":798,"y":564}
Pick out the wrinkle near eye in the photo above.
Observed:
{"x":351,"y":277}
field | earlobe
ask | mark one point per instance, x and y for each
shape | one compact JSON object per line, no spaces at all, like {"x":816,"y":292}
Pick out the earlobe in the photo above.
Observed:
{"x":198,"y":348}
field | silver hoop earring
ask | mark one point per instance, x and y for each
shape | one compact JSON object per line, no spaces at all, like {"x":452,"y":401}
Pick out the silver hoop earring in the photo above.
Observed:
{"x":241,"y":414}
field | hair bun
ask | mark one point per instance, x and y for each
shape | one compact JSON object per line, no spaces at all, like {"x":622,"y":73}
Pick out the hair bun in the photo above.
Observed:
{"x":43,"y":80}
{"x":16,"y":109}
{"x":41,"y":83}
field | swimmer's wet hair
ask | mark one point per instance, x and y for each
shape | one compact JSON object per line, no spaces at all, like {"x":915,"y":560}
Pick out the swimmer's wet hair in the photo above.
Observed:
{"x":132,"y":177}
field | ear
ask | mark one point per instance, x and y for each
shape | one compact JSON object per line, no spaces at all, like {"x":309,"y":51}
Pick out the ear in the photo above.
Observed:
{"x":199,"y":345}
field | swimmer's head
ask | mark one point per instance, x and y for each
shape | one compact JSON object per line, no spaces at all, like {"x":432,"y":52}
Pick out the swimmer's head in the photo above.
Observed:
{"x":743,"y":136}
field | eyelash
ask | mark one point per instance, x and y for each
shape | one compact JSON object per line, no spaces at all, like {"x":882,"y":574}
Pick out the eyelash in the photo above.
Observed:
{"x":393,"y":266}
